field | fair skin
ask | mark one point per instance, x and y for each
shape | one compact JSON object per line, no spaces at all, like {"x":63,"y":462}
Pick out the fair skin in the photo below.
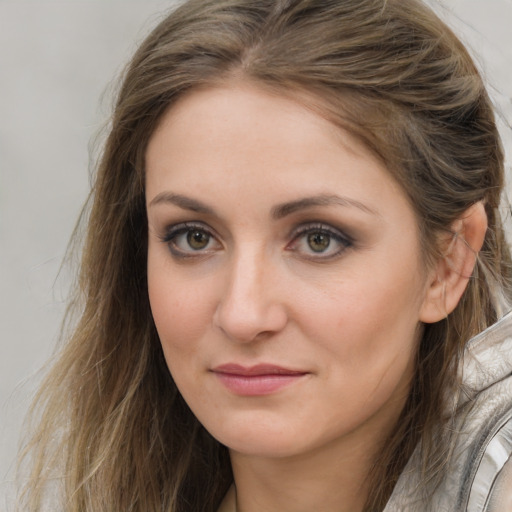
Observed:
{"x":276,"y":239}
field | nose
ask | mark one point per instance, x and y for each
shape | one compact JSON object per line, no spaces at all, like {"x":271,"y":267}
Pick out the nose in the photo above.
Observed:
{"x":250,"y":307}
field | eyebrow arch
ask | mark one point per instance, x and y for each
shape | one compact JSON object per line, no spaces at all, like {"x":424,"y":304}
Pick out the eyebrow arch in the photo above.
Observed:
{"x":278,"y":212}
{"x":184,"y":202}
{"x":282,"y":210}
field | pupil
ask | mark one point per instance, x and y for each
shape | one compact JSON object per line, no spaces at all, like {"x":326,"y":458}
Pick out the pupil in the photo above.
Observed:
{"x":319,"y":241}
{"x":197,"y":239}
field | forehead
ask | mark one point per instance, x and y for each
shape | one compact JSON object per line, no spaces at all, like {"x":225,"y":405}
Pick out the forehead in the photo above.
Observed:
{"x":235,"y":123}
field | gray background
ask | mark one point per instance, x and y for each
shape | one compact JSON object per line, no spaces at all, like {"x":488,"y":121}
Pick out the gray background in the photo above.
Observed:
{"x":57,"y":59}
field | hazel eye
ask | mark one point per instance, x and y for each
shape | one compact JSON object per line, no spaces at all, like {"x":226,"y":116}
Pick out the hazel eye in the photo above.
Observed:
{"x":197,"y":239}
{"x":319,"y":242}
{"x":187,"y":241}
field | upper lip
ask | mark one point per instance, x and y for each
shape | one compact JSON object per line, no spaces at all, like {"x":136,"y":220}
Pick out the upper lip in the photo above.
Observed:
{"x":258,"y":369}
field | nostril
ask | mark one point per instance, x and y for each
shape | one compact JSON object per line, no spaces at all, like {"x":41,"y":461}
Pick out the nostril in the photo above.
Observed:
{"x":249,"y":322}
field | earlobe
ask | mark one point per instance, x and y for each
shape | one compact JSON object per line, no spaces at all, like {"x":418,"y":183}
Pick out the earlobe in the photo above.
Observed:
{"x":451,"y":275}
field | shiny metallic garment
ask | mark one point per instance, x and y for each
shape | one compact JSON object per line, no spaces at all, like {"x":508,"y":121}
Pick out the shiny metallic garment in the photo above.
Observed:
{"x":479,"y":472}
{"x":492,"y":485}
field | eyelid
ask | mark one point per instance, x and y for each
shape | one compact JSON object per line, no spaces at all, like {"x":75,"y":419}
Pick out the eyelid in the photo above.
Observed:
{"x":311,"y":227}
{"x":171,"y":230}
{"x":337,"y":234}
{"x":174,"y":230}
{"x":306,"y":227}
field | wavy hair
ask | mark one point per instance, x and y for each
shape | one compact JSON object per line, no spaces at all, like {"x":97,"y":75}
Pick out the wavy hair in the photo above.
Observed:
{"x":112,"y":431}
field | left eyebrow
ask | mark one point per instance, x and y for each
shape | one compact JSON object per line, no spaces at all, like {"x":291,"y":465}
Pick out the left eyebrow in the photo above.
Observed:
{"x":282,"y":210}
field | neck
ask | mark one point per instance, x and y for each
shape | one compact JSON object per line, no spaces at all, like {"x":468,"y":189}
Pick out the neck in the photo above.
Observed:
{"x":334,"y":477}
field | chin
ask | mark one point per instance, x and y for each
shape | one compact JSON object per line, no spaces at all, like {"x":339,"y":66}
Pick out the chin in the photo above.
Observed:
{"x":263,"y":446}
{"x":261,"y":440}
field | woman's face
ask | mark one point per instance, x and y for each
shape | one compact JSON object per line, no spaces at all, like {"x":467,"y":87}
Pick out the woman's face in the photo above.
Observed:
{"x":285,"y":273}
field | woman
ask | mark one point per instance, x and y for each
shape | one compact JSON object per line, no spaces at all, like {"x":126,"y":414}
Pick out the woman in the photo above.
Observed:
{"x":294,"y":233}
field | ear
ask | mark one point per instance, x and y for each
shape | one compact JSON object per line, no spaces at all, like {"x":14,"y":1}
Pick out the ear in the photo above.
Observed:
{"x":451,"y":274}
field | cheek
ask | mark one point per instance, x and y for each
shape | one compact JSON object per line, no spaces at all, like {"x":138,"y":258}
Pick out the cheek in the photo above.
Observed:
{"x":180,"y":319}
{"x":365,"y":302}
{"x":181,"y":309}
{"x":367,"y":324}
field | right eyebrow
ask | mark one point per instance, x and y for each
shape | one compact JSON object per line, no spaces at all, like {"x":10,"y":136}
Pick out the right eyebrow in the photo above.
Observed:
{"x":184,"y":202}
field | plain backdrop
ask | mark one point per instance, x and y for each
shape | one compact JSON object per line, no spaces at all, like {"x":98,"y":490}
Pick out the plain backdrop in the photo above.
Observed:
{"x":58,"y":61}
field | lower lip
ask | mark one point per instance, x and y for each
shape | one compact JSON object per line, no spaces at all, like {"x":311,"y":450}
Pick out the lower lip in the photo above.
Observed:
{"x":257,"y":385}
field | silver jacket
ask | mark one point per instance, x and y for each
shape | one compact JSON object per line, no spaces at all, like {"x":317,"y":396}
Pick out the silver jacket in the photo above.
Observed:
{"x":479,"y":475}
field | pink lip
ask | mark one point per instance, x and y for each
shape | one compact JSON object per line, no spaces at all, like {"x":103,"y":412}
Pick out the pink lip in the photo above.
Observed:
{"x":261,"y":379}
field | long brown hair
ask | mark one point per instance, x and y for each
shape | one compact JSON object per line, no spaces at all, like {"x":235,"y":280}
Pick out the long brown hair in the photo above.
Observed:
{"x":112,"y":430}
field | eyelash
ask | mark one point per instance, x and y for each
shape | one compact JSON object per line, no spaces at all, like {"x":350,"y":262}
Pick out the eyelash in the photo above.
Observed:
{"x":303,"y":231}
{"x":173,"y":232}
{"x":297,"y":235}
